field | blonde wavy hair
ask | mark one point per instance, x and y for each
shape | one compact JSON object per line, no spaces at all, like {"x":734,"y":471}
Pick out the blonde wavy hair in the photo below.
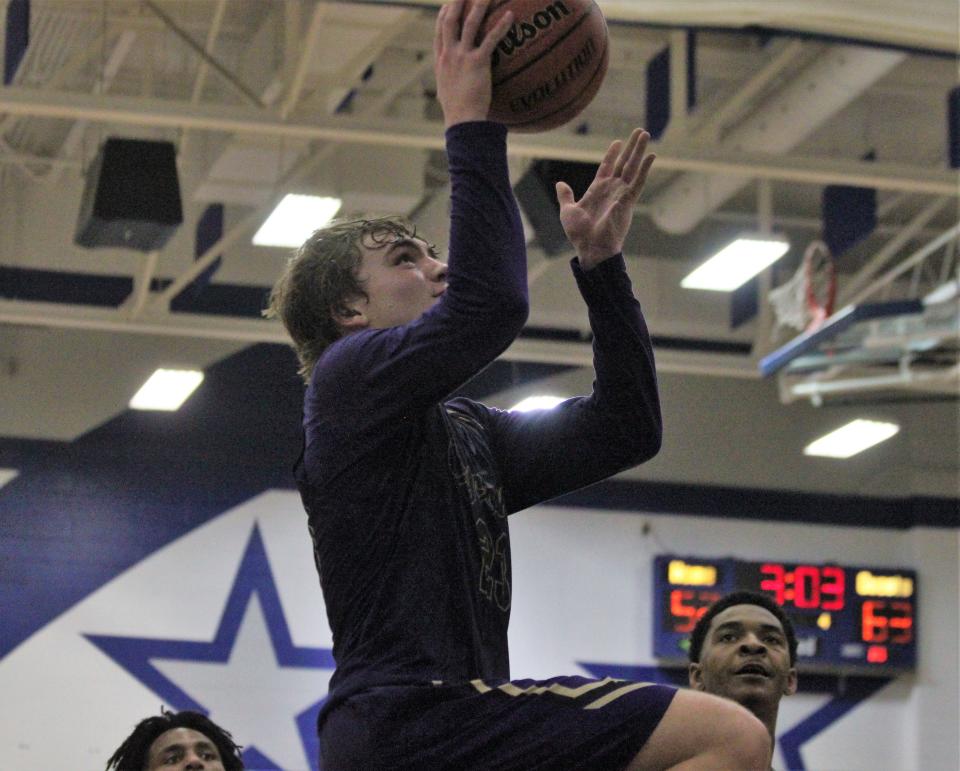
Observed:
{"x":322,"y":277}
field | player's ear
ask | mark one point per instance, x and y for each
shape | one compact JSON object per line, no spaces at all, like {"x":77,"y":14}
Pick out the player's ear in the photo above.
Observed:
{"x":350,"y":316}
{"x":695,"y":675}
{"x":790,"y":687}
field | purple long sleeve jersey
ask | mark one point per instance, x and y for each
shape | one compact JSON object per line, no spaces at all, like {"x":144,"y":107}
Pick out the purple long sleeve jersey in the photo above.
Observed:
{"x":407,"y":495}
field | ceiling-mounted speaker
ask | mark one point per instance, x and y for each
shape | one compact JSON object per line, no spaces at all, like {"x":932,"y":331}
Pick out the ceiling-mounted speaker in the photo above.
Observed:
{"x":849,"y":214}
{"x":132,"y":196}
{"x":537,"y":196}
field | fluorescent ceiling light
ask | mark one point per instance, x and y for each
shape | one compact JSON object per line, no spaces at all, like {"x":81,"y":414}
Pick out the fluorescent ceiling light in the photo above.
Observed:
{"x":295,"y":218}
{"x":536,"y":403}
{"x":736,"y":263}
{"x":852,"y":438}
{"x":943,"y":293}
{"x":7,"y":475}
{"x":166,"y":389}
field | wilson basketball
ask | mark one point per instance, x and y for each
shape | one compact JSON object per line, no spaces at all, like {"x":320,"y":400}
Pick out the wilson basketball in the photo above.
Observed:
{"x":551,"y":63}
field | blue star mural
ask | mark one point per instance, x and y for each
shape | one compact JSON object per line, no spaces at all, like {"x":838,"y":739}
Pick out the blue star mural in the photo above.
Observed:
{"x":240,"y":638}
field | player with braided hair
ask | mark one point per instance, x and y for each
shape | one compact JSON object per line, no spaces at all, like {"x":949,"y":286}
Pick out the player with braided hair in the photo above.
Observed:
{"x":185,"y":741}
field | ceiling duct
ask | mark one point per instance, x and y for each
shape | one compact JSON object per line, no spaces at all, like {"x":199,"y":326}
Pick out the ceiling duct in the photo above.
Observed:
{"x":824,"y":88}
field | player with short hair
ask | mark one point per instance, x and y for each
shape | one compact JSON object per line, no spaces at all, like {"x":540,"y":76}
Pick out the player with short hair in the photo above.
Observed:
{"x":744,"y":648}
{"x":181,"y":741}
{"x":407,"y":491}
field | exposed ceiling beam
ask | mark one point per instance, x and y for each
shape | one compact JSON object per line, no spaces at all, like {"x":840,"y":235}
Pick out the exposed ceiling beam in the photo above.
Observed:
{"x":202,"y":52}
{"x":212,"y":33}
{"x":124,"y":320}
{"x":200,"y":81}
{"x":320,"y":13}
{"x":909,"y":231}
{"x":944,"y":239}
{"x":713,"y":125}
{"x":879,"y":22}
{"x":108,"y":74}
{"x":833,"y":81}
{"x":22,"y":159}
{"x":426,"y":135}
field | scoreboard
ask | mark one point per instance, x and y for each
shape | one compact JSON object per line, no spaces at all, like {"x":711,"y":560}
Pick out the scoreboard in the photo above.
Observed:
{"x":847,"y":618}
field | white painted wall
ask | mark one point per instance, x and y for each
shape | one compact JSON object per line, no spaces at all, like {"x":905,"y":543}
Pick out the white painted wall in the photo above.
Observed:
{"x":582,"y":588}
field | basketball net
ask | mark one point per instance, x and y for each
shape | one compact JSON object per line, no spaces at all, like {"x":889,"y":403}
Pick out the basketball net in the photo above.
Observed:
{"x":806,"y":299}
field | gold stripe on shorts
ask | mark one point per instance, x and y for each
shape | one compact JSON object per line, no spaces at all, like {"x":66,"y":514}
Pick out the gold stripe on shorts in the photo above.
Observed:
{"x":560,"y":690}
{"x":512,"y":689}
{"x":603,"y":701}
{"x":481,"y":686}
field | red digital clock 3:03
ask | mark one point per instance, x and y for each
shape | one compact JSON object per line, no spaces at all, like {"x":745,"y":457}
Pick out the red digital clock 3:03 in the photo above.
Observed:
{"x":847,"y":619}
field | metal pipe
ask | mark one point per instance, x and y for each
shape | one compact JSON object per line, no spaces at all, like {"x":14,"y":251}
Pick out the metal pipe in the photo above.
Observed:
{"x":141,"y":287}
{"x":678,"y":84}
{"x":817,"y":388}
{"x":801,"y":223}
{"x":203,"y":261}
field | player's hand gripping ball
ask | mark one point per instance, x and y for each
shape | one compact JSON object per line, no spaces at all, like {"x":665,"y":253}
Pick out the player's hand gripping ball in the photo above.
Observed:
{"x":550,"y":64}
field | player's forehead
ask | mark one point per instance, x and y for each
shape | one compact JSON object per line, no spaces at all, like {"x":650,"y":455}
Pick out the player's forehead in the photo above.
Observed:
{"x":379,"y":249}
{"x":383,"y":234}
{"x":186,"y":737}
{"x":747,"y":616}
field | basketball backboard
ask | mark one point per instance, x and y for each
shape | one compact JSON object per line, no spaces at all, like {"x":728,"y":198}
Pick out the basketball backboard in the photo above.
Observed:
{"x":908,"y":340}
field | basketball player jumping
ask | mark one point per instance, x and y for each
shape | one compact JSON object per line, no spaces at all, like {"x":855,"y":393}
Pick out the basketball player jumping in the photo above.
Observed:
{"x":407,"y":493}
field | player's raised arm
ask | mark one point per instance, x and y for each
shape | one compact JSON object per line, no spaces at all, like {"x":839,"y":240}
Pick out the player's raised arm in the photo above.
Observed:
{"x":619,"y":425}
{"x":370,"y":297}
{"x":462,"y":65}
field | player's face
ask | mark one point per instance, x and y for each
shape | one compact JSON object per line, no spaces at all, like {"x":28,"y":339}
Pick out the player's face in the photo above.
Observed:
{"x":403,"y":279}
{"x":183,"y":749}
{"x":745,"y":657}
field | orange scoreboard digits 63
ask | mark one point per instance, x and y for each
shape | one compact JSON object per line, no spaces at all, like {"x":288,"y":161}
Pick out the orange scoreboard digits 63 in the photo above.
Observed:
{"x":847,"y":618}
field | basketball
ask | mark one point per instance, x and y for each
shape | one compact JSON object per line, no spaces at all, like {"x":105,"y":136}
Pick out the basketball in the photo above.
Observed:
{"x":551,"y":63}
